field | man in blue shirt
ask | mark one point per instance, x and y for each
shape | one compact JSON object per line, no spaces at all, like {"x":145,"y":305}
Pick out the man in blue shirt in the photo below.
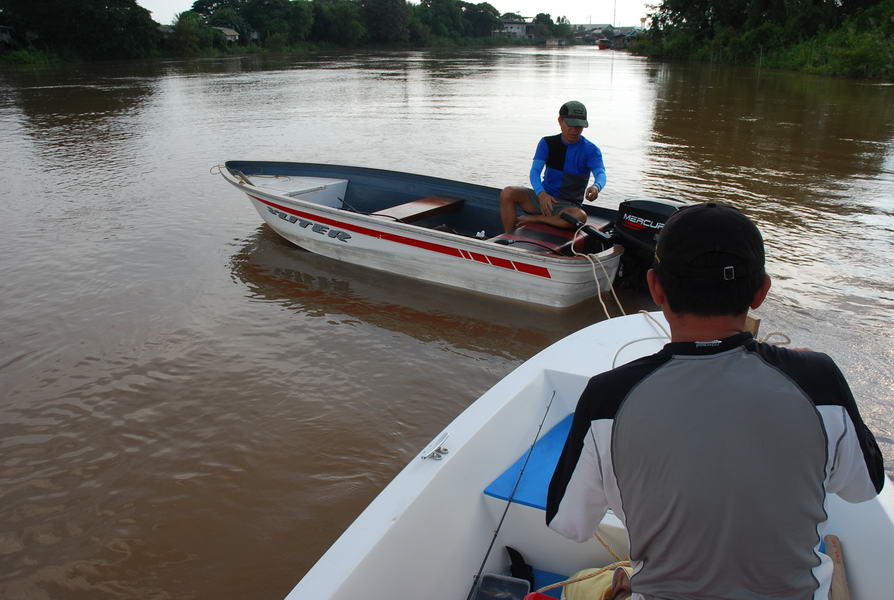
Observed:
{"x":568,"y":159}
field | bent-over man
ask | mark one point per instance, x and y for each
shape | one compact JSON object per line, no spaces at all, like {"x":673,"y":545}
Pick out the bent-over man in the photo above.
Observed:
{"x":717,"y":452}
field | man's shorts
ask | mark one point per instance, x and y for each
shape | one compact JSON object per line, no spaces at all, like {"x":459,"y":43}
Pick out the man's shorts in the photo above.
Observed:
{"x":558,"y":205}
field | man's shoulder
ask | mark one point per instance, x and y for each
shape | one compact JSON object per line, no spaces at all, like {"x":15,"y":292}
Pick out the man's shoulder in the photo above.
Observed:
{"x":606,"y":391}
{"x":814,"y":372}
{"x":589,"y":146}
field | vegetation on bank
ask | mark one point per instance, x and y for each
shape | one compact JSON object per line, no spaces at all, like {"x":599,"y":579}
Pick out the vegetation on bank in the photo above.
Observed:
{"x":107,"y":29}
{"x":853,"y":38}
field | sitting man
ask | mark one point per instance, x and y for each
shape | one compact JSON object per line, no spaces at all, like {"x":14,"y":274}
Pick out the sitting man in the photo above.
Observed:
{"x":717,"y":452}
{"x":569,"y":159}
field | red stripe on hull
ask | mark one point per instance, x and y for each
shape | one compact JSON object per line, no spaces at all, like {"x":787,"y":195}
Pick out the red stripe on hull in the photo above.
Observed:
{"x":407,"y":241}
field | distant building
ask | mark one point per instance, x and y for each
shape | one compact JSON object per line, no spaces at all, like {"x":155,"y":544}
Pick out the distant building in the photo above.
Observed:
{"x":231,"y":35}
{"x":6,"y":37}
{"x":589,"y":34}
{"x":623,"y":36}
{"x":517,"y":28}
{"x":601,"y":34}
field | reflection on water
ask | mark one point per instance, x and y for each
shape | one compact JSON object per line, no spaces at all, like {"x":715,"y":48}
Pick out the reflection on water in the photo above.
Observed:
{"x":275,"y":270}
{"x":194,"y":408}
{"x":804,"y":156}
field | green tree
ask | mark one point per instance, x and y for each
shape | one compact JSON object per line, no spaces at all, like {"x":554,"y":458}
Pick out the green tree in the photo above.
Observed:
{"x":387,"y":21}
{"x":87,"y":28}
{"x":191,"y":34}
{"x":300,"y":20}
{"x":338,"y":21}
{"x":207,"y":8}
{"x":480,"y":20}
{"x":543,"y":26}
{"x":443,"y":17}
{"x":232,"y":18}
{"x":563,"y":29}
{"x":279,"y":22}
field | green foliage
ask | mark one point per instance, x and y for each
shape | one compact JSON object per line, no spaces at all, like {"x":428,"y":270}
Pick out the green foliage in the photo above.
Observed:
{"x":29,"y":58}
{"x":191,"y":35}
{"x":834,"y":37}
{"x":457,"y":19}
{"x":480,"y":20}
{"x":338,"y":21}
{"x":206,"y":8}
{"x":87,"y":28}
{"x":279,"y":22}
{"x":387,"y":21}
{"x":232,"y":18}
{"x":846,"y":52}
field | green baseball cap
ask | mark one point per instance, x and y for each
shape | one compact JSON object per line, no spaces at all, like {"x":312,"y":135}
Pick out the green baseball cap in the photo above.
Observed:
{"x":575,"y":114}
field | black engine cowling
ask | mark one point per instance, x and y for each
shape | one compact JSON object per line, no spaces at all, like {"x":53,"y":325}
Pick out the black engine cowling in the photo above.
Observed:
{"x":637,"y":227}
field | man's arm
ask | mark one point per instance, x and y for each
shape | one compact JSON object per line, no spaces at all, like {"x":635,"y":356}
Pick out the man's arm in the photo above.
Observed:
{"x":535,"y":175}
{"x":576,"y":500}
{"x":858,"y":471}
{"x":544,"y":198}
{"x":597,"y":167}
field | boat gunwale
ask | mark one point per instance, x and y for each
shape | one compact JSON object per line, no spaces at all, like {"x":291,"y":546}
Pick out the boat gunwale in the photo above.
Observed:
{"x":384,"y":224}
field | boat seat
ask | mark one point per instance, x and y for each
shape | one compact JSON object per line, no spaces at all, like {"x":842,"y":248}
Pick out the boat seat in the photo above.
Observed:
{"x":410,"y":212}
{"x":535,"y":480}
{"x":540,"y":237}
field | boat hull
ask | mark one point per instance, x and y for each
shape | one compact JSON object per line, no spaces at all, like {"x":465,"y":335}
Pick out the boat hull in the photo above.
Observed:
{"x":431,"y":255}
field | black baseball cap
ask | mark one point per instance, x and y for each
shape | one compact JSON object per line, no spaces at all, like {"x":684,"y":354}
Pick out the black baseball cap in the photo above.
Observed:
{"x":710,"y":242}
{"x":574,"y":113}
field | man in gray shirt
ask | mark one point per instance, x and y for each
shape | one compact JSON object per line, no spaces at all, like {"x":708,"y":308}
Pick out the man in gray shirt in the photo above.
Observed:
{"x":717,"y":452}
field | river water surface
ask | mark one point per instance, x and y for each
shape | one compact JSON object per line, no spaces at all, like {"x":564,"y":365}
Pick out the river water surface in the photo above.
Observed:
{"x":192,"y":408}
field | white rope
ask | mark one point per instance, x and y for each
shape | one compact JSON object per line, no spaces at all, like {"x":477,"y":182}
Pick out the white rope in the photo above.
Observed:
{"x":589,"y":257}
{"x":783,"y":342}
{"x":655,"y":323}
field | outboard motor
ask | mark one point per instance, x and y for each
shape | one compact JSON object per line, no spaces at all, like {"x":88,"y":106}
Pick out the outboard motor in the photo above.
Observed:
{"x":637,"y":228}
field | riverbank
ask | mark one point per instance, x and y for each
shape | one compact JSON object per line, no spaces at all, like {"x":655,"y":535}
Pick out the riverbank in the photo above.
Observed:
{"x":39,"y":58}
{"x":861,"y":46}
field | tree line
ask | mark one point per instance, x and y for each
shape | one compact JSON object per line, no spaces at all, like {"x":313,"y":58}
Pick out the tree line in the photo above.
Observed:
{"x":94,"y":29}
{"x":836,"y":37}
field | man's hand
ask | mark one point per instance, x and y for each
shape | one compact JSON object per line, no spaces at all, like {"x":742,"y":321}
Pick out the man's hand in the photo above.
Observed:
{"x":592,"y":193}
{"x":546,"y":204}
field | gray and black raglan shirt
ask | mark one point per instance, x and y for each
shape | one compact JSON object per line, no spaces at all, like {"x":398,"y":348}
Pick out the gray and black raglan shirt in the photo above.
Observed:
{"x":718,"y":457}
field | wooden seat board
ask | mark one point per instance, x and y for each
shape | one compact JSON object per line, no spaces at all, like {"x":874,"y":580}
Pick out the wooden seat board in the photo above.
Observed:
{"x":420,"y":209}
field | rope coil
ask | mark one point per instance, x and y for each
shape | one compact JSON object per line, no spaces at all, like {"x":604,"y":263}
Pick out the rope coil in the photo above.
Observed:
{"x":619,"y":562}
{"x":589,"y":257}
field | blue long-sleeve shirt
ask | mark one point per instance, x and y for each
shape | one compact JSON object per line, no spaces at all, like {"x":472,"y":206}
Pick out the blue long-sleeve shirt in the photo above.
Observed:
{"x":568,"y":168}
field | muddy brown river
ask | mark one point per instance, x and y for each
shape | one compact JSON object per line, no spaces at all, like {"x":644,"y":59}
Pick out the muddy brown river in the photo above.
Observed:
{"x":191,"y":408}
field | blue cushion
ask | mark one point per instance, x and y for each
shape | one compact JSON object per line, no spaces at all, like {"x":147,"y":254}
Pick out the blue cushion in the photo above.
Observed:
{"x":545,"y":578}
{"x":535,"y":481}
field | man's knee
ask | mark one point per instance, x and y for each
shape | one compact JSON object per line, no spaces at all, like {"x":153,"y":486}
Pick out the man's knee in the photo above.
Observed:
{"x":509,"y":194}
{"x":577,"y":213}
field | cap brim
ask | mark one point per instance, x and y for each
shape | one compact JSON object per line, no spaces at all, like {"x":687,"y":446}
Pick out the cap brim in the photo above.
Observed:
{"x":576,"y":122}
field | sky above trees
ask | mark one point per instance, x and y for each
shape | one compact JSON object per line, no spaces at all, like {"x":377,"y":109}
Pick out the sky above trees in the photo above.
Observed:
{"x":617,"y":12}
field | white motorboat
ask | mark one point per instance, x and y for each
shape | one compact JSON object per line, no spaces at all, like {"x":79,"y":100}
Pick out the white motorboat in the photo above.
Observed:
{"x":437,"y":230}
{"x":428,"y":533}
